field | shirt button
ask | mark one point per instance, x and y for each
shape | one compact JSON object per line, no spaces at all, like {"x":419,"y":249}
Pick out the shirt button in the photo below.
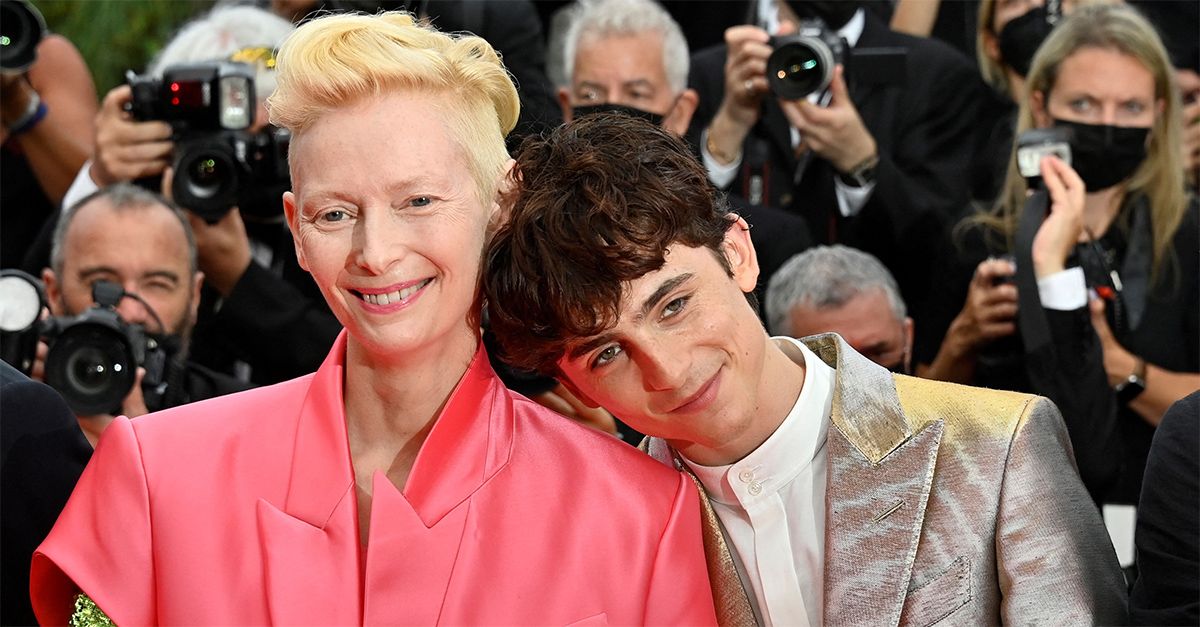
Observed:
{"x":746,"y":475}
{"x":755,"y":488}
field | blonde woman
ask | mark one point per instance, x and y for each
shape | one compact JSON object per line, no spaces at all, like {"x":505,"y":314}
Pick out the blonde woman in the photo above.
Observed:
{"x":400,"y":483}
{"x":1120,"y":226}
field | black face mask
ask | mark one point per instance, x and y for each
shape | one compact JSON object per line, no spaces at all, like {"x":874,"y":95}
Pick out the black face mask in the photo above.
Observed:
{"x":1105,"y":155}
{"x":608,"y":107}
{"x":1020,"y":38}
{"x":835,"y":13}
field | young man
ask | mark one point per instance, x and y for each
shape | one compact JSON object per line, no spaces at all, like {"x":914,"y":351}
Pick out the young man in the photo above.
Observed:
{"x":842,"y":494}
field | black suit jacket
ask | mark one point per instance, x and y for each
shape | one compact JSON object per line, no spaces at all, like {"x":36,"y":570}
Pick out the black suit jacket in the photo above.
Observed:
{"x":44,"y":452}
{"x":926,"y":133}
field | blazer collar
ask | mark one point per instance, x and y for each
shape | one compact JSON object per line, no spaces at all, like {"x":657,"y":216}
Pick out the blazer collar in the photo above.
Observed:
{"x":469,"y":443}
{"x":866,"y":408}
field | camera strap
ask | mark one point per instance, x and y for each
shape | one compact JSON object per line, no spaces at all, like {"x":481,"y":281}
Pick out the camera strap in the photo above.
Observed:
{"x":1031,"y":318}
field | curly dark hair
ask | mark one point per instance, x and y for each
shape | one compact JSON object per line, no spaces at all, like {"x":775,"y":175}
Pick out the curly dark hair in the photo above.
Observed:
{"x":594,"y":205}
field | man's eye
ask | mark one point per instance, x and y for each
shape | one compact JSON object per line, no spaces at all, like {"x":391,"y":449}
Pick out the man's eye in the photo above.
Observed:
{"x":421,"y":201}
{"x":1081,"y":105}
{"x":674,"y":307}
{"x":1134,"y":107}
{"x":606,"y":356}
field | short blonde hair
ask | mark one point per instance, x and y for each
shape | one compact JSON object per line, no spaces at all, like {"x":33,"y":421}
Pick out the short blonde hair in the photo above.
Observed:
{"x":340,"y":60}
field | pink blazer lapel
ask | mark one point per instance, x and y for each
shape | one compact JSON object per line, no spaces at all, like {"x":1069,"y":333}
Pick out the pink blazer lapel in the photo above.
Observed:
{"x":310,"y":543}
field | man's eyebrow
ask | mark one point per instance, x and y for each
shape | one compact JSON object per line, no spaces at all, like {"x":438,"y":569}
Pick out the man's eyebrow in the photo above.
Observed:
{"x":596,"y":341}
{"x":660,"y":293}
{"x":589,"y":345}
{"x":638,"y":82}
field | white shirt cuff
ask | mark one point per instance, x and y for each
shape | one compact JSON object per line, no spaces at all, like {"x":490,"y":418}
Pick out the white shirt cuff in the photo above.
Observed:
{"x":721,"y":175}
{"x":81,"y":187}
{"x":1063,"y":291}
{"x":851,"y":199}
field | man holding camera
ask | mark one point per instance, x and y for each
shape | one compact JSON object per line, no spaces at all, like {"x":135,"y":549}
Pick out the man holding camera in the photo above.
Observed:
{"x":877,"y":160}
{"x":134,"y":240}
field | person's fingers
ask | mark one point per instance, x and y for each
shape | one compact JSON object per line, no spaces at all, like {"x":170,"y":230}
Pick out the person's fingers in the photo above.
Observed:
{"x":1055,"y":185}
{"x":135,"y":404}
{"x":138,"y":132}
{"x":742,"y":33}
{"x":144,"y":151}
{"x":998,"y":312}
{"x":837,"y":86}
{"x":993,"y":330}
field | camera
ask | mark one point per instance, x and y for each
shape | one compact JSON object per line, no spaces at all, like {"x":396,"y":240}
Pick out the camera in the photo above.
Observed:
{"x":1036,"y":143}
{"x":218,"y":162}
{"x":22,"y":28}
{"x":803,"y":63}
{"x":93,"y":358}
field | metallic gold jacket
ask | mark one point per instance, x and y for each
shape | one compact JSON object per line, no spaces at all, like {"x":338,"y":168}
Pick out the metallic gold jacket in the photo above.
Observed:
{"x":944,"y":503}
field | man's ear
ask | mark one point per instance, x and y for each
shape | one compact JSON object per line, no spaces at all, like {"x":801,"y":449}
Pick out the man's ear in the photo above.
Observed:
{"x":293,"y":217}
{"x":53,"y":291}
{"x":564,"y":103}
{"x":1038,"y":107}
{"x":739,"y":250}
{"x":908,"y":343}
{"x":197,"y":283}
{"x":681,"y":116}
{"x":587,"y":400}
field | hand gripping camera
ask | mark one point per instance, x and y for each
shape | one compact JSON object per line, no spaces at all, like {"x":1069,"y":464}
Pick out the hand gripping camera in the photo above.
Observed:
{"x":93,"y":357}
{"x":218,"y":163}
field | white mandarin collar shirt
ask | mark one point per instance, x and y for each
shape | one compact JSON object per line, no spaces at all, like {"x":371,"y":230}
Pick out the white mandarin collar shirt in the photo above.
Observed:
{"x":772,"y":502}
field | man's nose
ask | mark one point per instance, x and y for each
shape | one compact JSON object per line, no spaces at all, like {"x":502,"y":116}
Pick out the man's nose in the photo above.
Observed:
{"x":663,"y":366}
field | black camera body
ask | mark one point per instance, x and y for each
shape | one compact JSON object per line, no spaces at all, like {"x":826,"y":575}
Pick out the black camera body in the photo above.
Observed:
{"x":802,"y":63}
{"x":218,"y":162}
{"x":92,"y":358}
{"x":22,"y":28}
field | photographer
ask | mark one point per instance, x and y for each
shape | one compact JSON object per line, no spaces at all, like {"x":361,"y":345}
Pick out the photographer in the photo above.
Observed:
{"x":47,"y":104}
{"x":261,"y":316}
{"x":1119,"y":226}
{"x":880,"y":167}
{"x":131,"y":237}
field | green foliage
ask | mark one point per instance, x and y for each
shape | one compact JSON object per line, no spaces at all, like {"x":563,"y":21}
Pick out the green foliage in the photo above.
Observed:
{"x":116,"y":35}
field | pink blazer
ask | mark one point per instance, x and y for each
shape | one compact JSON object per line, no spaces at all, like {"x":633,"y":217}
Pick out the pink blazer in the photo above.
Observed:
{"x":242,"y":510}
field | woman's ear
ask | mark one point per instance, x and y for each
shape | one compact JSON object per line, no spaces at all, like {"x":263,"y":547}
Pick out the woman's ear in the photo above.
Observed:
{"x":504,"y":198}
{"x":1038,"y":107}
{"x":290,"y":211}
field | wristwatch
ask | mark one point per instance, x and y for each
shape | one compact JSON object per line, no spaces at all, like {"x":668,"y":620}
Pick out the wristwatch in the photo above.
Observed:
{"x":861,"y":175}
{"x":1134,"y":385}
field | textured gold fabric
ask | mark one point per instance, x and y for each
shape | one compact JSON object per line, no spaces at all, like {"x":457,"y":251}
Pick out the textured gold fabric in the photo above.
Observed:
{"x":948,"y":504}
{"x":88,"y":614}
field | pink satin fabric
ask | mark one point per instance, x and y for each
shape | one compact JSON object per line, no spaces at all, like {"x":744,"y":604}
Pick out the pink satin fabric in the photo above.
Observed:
{"x":242,"y":510}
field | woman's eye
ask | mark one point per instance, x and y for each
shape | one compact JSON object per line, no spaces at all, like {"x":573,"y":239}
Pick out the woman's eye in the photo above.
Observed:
{"x":333,"y":215}
{"x":606,"y":356}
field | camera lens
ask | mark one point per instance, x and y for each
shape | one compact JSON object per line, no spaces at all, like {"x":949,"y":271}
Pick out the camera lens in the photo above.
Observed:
{"x":21,"y":29}
{"x":206,"y":177}
{"x":799,"y":68}
{"x":92,"y":366}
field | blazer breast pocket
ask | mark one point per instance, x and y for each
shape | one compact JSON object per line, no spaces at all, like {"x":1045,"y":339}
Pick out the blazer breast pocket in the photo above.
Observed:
{"x":934,"y":598}
{"x":598,"y":619}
